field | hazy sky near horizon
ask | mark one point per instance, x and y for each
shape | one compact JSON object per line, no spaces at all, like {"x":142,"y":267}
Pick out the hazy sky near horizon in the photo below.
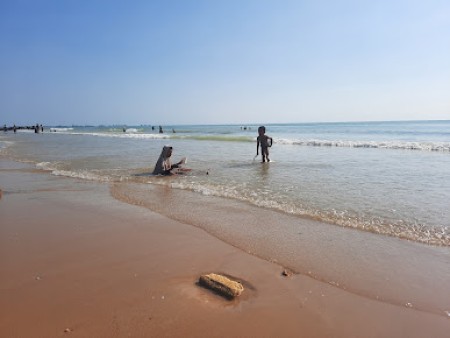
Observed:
{"x":206,"y":62}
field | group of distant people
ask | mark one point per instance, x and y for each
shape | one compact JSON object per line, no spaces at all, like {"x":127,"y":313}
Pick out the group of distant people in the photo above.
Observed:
{"x":37,"y":128}
{"x":164,"y":164}
{"x":161,"y":131}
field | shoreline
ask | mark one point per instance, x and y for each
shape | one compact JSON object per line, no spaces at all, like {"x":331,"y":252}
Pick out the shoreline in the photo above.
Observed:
{"x":363,"y":263}
{"x":80,"y":260}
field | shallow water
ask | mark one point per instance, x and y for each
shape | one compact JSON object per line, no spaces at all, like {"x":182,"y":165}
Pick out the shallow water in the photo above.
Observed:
{"x":390,"y":178}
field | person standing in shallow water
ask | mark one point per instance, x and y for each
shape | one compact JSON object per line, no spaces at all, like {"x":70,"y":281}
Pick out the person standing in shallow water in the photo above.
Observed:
{"x":265,"y":142}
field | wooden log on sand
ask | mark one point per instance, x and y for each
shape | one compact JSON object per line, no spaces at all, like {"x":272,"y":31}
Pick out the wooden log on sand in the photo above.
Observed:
{"x":221,"y":285}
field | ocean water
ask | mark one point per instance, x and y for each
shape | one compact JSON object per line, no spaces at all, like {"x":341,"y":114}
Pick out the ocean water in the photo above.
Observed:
{"x":361,"y":206}
{"x":388,"y":178}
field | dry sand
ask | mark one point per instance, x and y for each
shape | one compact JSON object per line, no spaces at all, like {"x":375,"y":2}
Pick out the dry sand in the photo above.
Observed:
{"x":76,"y":262}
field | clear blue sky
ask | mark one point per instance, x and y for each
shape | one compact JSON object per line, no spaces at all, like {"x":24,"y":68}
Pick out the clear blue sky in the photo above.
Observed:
{"x":202,"y":62}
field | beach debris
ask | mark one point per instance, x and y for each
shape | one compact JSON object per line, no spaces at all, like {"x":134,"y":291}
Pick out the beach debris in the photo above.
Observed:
{"x":333,"y":283}
{"x":222,"y":285}
{"x":37,"y":278}
{"x":68,"y":330}
{"x":409,"y":305}
{"x":447,"y":313}
{"x":287,"y":273}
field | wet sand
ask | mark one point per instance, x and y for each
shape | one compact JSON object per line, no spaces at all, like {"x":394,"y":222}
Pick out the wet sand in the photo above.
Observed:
{"x":76,"y":262}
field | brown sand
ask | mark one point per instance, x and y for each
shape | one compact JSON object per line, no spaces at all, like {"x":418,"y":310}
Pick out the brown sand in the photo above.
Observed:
{"x":76,"y":262}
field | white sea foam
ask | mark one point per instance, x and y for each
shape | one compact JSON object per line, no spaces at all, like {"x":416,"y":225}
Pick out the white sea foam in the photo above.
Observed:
{"x":83,"y":174}
{"x":55,"y":168}
{"x":133,"y":135}
{"x":427,"y":146}
{"x":5,"y":144}
{"x":26,"y":131}
{"x":436,"y":235}
{"x":60,"y":130}
{"x":48,"y":166}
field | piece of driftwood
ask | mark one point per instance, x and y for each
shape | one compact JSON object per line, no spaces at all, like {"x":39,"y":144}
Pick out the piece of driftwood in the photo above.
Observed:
{"x":221,"y":285}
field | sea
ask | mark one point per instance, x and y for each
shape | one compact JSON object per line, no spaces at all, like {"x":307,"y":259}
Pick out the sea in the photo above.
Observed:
{"x":362,"y":206}
{"x":388,"y":178}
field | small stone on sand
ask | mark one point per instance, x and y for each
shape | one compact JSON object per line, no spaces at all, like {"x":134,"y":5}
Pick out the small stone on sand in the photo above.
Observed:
{"x":222,"y":285}
{"x":287,"y":273}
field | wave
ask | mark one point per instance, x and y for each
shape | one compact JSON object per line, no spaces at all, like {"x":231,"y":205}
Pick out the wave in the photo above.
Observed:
{"x":426,"y":146}
{"x":434,"y":235}
{"x":47,"y":166}
{"x":89,"y":175}
{"x":394,"y":144}
{"x":135,"y":134}
{"x":223,"y":137}
{"x":84,"y":174}
{"x":125,"y":130}
{"x":5,"y":144}
{"x":60,"y":130}
{"x":429,"y":234}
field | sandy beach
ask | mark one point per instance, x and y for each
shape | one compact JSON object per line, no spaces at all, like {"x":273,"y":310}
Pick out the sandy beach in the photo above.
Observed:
{"x":76,"y":262}
{"x":299,"y":148}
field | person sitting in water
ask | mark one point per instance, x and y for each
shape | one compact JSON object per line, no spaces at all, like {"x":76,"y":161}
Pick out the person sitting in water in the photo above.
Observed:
{"x":164,"y":165}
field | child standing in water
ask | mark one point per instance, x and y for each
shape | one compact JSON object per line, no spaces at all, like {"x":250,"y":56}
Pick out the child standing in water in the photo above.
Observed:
{"x":263,"y":140}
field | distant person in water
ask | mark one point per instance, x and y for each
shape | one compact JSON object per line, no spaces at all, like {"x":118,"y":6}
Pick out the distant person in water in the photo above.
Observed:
{"x":265,"y":142}
{"x":160,"y":130}
{"x":164,"y":165}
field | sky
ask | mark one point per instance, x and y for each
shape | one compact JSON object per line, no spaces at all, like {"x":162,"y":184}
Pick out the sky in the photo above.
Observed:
{"x":223,"y":61}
